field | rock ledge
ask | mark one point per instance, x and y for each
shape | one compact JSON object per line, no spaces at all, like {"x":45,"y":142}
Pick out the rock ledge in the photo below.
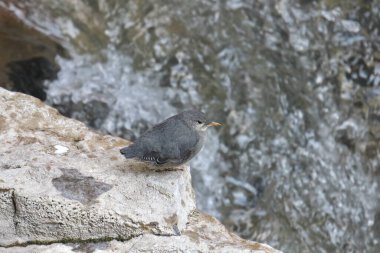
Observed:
{"x":66,"y":187}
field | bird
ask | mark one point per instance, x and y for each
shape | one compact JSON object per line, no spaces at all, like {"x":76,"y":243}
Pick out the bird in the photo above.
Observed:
{"x":173,"y":142}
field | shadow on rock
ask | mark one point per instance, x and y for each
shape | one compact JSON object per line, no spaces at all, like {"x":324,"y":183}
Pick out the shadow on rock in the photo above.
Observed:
{"x":74,"y":185}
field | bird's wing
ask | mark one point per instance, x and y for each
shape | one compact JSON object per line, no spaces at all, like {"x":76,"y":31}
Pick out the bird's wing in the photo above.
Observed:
{"x":180,"y":143}
{"x":167,"y":142}
{"x":158,"y":148}
{"x":187,"y":146}
{"x":154,"y":156}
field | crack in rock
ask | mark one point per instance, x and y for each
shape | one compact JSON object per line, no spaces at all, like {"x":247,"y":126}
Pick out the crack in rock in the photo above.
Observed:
{"x":14,"y":202}
{"x":70,"y":240}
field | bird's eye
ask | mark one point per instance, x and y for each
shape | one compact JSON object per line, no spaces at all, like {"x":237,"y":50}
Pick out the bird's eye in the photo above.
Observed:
{"x":199,"y":122}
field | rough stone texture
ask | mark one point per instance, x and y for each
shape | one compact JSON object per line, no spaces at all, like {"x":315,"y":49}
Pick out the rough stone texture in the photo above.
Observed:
{"x":61,"y":182}
{"x":203,"y":234}
{"x":87,"y":192}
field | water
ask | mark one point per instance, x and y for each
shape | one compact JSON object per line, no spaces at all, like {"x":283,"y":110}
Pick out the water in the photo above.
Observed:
{"x":295,"y":82}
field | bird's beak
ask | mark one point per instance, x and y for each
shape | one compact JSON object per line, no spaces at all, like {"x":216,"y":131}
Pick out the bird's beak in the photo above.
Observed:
{"x":214,"y":124}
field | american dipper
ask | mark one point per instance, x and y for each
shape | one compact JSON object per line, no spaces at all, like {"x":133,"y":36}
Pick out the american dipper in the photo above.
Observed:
{"x":173,"y":142}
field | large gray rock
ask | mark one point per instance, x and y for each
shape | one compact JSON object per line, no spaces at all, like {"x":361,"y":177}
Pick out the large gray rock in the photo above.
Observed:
{"x":203,"y":234}
{"x":61,"y":182}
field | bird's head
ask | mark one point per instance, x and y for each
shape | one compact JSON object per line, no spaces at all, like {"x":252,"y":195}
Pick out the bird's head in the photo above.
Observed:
{"x":198,"y":120}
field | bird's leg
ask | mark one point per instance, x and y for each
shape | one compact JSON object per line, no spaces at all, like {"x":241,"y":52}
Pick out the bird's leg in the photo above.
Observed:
{"x":169,"y":169}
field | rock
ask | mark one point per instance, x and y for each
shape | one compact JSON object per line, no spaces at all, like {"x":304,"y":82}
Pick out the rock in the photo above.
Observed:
{"x":28,"y":56}
{"x":67,"y":187}
{"x":203,"y":234}
{"x":28,"y":76}
{"x":87,"y":192}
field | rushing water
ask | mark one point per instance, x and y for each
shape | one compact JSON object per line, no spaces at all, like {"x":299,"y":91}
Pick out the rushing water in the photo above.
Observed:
{"x":296,"y":83}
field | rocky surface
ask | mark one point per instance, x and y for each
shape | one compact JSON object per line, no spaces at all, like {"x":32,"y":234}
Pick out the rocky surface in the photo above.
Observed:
{"x":66,"y":187}
{"x":203,"y":234}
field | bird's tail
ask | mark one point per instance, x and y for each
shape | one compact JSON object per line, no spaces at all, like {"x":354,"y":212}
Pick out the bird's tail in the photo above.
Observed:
{"x":128,"y":152}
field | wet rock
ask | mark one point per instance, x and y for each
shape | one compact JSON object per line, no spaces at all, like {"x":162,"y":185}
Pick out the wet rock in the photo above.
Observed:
{"x":376,"y":225}
{"x":62,"y":183}
{"x":93,"y":113}
{"x":27,"y":56}
{"x":28,"y":76}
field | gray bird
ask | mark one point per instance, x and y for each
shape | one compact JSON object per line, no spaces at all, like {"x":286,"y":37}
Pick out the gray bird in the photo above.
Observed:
{"x":173,"y":142}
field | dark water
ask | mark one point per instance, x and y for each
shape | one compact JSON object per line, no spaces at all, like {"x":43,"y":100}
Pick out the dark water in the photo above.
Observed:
{"x":295,"y":82}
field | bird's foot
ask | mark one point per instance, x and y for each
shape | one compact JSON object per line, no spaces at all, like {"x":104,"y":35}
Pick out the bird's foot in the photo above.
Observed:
{"x":169,"y":169}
